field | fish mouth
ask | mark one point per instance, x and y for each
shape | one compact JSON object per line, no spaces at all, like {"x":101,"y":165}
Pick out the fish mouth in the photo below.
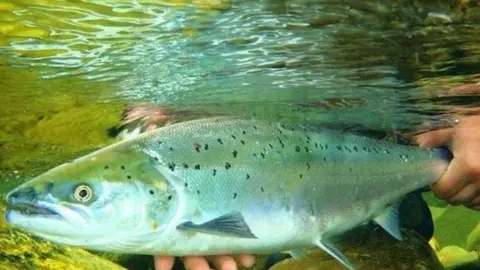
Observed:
{"x":33,"y":209}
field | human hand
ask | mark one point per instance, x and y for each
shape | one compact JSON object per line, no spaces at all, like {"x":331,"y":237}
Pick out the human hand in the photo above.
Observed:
{"x":221,"y":262}
{"x":460,"y":183}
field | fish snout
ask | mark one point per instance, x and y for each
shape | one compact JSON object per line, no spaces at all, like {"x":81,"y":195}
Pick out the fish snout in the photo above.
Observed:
{"x":27,"y":194}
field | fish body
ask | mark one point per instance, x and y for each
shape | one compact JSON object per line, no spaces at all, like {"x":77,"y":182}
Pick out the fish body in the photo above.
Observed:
{"x":225,"y":186}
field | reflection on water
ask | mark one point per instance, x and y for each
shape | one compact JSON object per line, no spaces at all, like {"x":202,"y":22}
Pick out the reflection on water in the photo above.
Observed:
{"x":253,"y":55}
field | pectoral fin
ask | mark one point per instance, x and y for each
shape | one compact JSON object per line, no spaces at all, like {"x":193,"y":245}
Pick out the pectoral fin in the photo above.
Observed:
{"x":232,"y":224}
{"x":334,"y":252}
{"x":389,"y":221}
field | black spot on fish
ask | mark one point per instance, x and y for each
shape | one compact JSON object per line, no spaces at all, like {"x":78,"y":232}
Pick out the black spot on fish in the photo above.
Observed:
{"x":234,"y":195}
{"x":301,"y":176}
{"x":243,"y":142}
{"x":254,"y":154}
{"x":185,"y":165}
{"x":350,"y":169}
{"x":263,"y":155}
{"x":326,"y":146}
{"x":308,"y":166}
{"x":155,"y":158}
{"x":234,"y":153}
{"x":219,"y":141}
{"x":106,"y":167}
{"x":308,"y":137}
{"x":129,"y":177}
{"x":316,"y":145}
{"x":364,"y":148}
{"x":262,"y":189}
{"x":280,"y":131}
{"x":355,"y":149}
{"x":297,"y":148}
{"x":324,"y":159}
{"x":206,"y":147}
{"x":198,"y":192}
{"x":160,"y":142}
{"x":254,"y":127}
{"x":233,"y":136}
{"x":227,"y":166}
{"x":375,"y":149}
{"x":197,"y":147}
{"x":348,"y":149}
{"x":244,"y":132}
{"x":248,"y":176}
{"x":171,"y":166}
{"x":280,"y":141}
{"x":339,"y":147}
{"x":169,"y":197}
{"x":171,"y":148}
{"x":197,"y":167}
{"x":152,"y":192}
{"x":214,"y":172}
{"x":306,"y":149}
{"x":186,"y":184}
{"x":122,"y":167}
{"x":271,"y":146}
{"x":283,"y":126}
{"x":321,"y":147}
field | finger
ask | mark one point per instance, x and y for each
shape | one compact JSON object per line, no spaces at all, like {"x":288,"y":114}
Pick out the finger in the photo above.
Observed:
{"x":455,"y":178}
{"x":434,"y":138}
{"x":195,"y":263}
{"x":223,"y":262}
{"x":475,"y":204}
{"x":163,"y":262}
{"x":245,"y":260}
{"x":465,"y":195}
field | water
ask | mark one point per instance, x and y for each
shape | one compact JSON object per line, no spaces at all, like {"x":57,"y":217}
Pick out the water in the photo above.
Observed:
{"x":67,"y":68}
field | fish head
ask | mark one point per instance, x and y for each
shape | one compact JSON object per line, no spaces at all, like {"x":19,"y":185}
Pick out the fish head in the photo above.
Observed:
{"x":103,"y":201}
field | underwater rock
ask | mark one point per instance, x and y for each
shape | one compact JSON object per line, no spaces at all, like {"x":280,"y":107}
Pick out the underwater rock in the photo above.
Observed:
{"x":21,"y":251}
{"x":380,"y":252}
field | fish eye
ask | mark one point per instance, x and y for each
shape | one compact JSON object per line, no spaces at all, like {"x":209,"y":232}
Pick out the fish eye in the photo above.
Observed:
{"x":83,"y":193}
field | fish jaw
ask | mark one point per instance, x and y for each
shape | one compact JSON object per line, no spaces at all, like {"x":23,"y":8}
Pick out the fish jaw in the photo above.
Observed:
{"x":42,"y":216}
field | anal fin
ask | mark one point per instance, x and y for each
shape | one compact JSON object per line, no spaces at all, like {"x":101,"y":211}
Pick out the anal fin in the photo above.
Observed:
{"x":389,"y":221}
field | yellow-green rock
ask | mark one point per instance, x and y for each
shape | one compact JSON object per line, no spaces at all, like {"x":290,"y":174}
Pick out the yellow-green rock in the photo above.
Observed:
{"x":473,"y":239}
{"x":454,"y":256}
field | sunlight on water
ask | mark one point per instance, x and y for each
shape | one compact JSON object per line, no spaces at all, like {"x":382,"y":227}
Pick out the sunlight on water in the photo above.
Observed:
{"x":245,"y":53}
{"x":96,"y":39}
